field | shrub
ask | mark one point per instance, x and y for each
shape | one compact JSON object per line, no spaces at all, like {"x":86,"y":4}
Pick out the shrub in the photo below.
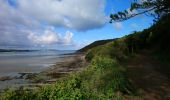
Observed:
{"x":103,"y":79}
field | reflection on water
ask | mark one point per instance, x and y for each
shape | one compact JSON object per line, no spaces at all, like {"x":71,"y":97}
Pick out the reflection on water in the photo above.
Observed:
{"x":12,"y":63}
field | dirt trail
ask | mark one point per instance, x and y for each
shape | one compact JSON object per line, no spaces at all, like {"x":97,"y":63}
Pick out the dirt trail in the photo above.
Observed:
{"x":152,"y":84}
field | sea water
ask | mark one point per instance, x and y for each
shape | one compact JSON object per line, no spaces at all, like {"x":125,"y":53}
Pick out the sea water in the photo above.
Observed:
{"x":12,"y":63}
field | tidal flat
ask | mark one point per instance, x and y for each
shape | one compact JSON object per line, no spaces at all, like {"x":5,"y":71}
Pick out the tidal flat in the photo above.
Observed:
{"x":48,"y":68}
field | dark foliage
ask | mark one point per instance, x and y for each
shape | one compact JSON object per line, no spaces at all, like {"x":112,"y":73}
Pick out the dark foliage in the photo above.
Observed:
{"x":156,"y":8}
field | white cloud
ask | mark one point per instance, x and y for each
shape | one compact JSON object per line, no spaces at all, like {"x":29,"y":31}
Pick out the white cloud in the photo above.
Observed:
{"x":68,"y":38}
{"x":118,"y":25}
{"x":50,"y":37}
{"x":22,"y":25}
{"x":75,"y":14}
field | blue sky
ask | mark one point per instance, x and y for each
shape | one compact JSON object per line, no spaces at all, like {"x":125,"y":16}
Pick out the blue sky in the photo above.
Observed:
{"x":63,"y":24}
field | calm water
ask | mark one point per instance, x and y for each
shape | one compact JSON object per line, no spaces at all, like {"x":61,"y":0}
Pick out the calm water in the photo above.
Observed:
{"x":12,"y":63}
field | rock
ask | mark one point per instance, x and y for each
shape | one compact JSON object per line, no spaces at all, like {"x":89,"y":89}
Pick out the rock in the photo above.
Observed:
{"x":4,"y":78}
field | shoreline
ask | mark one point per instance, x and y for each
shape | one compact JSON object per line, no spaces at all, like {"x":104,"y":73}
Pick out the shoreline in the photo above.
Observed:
{"x":68,"y":64}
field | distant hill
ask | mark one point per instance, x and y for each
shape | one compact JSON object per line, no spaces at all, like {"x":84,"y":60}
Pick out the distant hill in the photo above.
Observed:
{"x":15,"y":50}
{"x":95,"y":44}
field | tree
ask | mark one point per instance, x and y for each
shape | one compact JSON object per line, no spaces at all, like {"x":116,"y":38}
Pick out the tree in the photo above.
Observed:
{"x":156,"y":8}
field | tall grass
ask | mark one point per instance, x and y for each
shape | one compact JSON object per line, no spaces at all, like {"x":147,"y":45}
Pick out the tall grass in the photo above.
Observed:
{"x":117,"y":49}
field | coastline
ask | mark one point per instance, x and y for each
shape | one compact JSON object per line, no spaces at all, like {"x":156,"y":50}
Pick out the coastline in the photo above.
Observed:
{"x":69,"y":64}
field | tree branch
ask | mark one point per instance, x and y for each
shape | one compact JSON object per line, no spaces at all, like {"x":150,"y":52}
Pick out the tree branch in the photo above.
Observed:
{"x":133,"y":15}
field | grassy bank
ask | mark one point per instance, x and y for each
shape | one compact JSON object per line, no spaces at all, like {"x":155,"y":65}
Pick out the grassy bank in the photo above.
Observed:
{"x":103,"y":79}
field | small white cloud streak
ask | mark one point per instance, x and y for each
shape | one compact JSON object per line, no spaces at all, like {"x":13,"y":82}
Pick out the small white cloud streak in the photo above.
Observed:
{"x":118,"y":25}
{"x":134,"y":25}
{"x":68,"y":38}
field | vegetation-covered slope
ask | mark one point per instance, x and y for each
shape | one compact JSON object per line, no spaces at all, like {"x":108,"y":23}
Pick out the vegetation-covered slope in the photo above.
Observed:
{"x":156,"y":37}
{"x":95,"y":44}
{"x":105,"y":77}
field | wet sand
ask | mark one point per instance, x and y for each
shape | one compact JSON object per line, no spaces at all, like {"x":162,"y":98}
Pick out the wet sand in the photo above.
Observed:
{"x":67,"y":64}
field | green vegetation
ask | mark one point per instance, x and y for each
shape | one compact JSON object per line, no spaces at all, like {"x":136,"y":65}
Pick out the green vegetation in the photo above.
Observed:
{"x":94,"y":44}
{"x":156,"y":37}
{"x":156,"y":8}
{"x":116,"y":50}
{"x":103,"y":79}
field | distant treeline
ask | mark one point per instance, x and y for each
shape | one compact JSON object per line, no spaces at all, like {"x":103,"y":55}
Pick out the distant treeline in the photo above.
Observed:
{"x":14,"y":50}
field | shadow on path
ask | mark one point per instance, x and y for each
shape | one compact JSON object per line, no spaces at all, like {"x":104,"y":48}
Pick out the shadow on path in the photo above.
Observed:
{"x":142,"y":72}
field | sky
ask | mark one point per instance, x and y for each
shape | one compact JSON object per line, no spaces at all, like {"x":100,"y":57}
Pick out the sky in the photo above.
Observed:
{"x":63,"y":24}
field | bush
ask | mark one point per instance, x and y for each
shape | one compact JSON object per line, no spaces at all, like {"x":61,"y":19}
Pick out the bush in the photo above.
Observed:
{"x":103,"y":79}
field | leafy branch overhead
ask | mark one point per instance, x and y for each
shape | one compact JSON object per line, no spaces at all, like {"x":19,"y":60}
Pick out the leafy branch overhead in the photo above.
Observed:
{"x":156,"y":8}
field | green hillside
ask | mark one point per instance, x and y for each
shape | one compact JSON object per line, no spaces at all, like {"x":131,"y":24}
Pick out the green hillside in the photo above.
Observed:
{"x":95,"y":44}
{"x":107,"y":76}
{"x":156,"y":38}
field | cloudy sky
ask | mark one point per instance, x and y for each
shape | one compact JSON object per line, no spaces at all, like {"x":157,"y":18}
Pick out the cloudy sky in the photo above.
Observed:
{"x":62,"y":24}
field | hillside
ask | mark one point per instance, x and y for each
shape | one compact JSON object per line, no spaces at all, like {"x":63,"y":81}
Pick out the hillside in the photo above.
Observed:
{"x":95,"y":44}
{"x":156,"y":37}
{"x":134,"y":67}
{"x":146,"y":56}
{"x":15,"y":50}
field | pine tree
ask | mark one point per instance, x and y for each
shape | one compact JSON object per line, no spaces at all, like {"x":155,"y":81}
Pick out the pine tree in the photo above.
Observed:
{"x":156,"y":8}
